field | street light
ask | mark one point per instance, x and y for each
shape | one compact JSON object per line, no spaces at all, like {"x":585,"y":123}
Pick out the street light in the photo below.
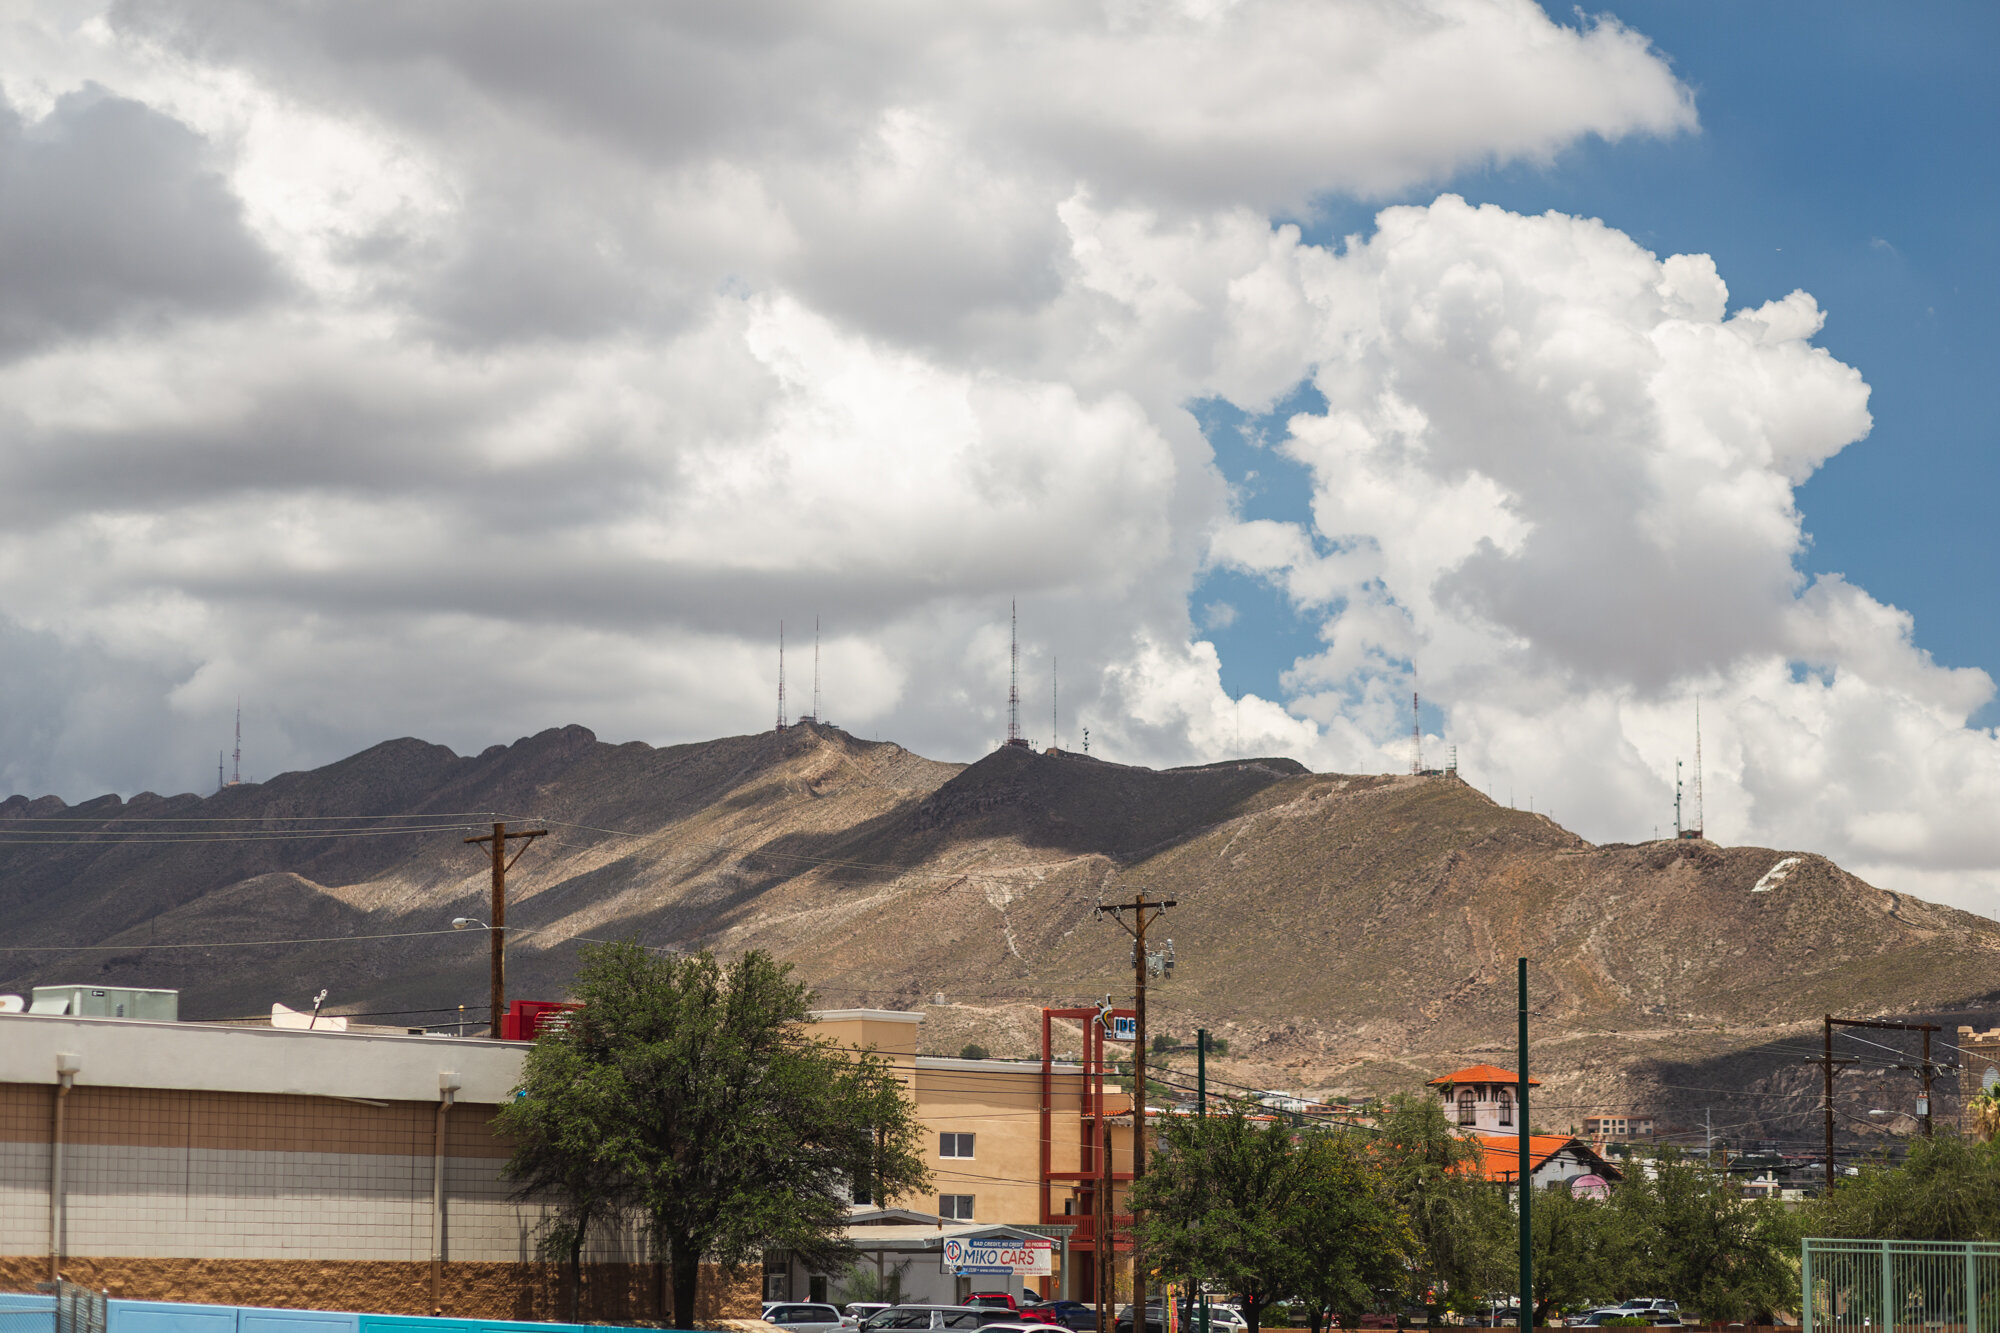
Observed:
{"x":466,"y":922}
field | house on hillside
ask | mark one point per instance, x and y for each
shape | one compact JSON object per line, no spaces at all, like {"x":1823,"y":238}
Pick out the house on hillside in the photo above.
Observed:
{"x":1480,"y":1097}
{"x":1553,"y":1159}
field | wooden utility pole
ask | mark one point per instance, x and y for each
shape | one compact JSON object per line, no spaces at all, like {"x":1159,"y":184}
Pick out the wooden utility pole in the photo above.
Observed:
{"x":1828,"y":1058}
{"x":1143,"y":911}
{"x":1884,"y":1026}
{"x":497,"y":927}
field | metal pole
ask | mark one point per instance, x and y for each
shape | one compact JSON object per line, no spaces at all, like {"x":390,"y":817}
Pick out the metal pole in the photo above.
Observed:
{"x":1139,"y":1324}
{"x":1526,"y":1187}
{"x":1201,"y":1111}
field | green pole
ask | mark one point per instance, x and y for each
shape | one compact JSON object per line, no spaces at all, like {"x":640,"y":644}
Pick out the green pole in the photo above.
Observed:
{"x":1525,"y":1184}
{"x":1201,"y":1110}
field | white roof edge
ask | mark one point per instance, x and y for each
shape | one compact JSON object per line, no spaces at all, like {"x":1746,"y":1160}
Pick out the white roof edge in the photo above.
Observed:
{"x":875,"y":1015}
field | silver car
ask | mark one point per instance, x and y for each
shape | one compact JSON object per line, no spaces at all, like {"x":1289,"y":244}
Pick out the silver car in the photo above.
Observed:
{"x":807,"y":1317}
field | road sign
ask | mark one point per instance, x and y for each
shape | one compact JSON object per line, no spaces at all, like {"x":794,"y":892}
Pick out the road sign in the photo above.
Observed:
{"x":999,"y":1257}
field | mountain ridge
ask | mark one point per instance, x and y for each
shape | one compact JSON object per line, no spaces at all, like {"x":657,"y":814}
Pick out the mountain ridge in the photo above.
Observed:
{"x":1349,"y":933}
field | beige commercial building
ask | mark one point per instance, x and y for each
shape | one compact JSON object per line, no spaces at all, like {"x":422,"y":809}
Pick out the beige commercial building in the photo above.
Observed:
{"x":255,"y":1165}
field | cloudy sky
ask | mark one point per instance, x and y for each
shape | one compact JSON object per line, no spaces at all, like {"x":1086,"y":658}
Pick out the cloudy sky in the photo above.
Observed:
{"x":464,"y":369}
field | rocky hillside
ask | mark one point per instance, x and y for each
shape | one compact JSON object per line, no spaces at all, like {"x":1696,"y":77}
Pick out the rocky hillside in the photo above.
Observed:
{"x":1346,"y":933}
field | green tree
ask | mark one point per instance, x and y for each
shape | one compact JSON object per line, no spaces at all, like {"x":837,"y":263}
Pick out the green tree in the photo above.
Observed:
{"x":1220,"y":1206}
{"x":1349,"y":1237}
{"x":972,"y":1050}
{"x":730,"y":1129}
{"x":556,"y":1157}
{"x":1582,"y":1251}
{"x":1948,"y":1188}
{"x":1695,"y":1238}
{"x":1464,"y":1229}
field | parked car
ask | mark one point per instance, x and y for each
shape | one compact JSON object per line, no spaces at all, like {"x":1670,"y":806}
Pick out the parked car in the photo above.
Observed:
{"x":1156,"y":1319}
{"x":901,"y":1317}
{"x":1073,"y":1315}
{"x":1221,"y":1318}
{"x":862,"y":1310}
{"x":1654,"y":1309}
{"x":991,"y":1300}
{"x":808,"y":1317}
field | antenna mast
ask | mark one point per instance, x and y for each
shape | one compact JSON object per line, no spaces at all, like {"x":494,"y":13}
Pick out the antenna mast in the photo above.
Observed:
{"x":815,"y":668}
{"x":1416,"y":734}
{"x":236,"y":772}
{"x":1014,"y":675}
{"x":220,"y":783}
{"x":781,"y":675}
{"x":1697,"y":767}
{"x":1055,"y":703}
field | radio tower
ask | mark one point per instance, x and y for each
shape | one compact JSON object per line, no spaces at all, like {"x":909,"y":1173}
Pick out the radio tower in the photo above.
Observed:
{"x":1055,"y":703}
{"x":815,"y":668}
{"x":1014,"y":675}
{"x":236,"y":766}
{"x":1416,"y":734}
{"x":781,"y":675}
{"x":1697,"y":766}
{"x":220,"y":783}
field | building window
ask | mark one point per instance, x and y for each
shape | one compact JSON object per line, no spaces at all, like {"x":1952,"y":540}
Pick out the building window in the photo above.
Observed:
{"x":1466,"y":1102}
{"x":954,"y":1145}
{"x":955,"y":1207}
{"x":1506,"y":1107}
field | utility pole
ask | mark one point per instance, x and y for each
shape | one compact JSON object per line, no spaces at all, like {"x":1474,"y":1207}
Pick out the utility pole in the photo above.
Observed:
{"x":1883,"y":1026}
{"x":1526,"y":1190}
{"x":1201,"y":1112}
{"x":1144,"y":912}
{"x":1829,"y":1105}
{"x":497,"y":927}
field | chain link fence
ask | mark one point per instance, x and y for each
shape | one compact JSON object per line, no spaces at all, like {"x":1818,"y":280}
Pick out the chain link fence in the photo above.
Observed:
{"x":1900,"y":1286}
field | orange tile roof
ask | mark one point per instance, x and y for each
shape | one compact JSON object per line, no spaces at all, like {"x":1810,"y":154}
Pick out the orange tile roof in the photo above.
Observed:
{"x":1483,"y":1074}
{"x":1500,"y":1159}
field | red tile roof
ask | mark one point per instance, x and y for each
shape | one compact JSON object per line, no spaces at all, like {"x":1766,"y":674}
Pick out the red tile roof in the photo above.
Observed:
{"x":1483,"y":1074}
{"x":1500,"y":1159}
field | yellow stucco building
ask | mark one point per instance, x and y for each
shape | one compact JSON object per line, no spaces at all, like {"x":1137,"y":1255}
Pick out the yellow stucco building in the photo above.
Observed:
{"x":1007,"y":1143}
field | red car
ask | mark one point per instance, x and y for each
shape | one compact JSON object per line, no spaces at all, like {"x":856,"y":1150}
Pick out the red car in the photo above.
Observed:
{"x":991,"y":1300}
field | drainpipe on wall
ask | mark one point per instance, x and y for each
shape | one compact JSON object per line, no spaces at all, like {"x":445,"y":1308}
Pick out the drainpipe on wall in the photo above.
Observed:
{"x":66,"y":1071}
{"x":447,"y":1085}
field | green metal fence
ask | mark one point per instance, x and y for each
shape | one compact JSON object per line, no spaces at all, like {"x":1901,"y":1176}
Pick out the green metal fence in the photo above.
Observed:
{"x":1900,"y":1286}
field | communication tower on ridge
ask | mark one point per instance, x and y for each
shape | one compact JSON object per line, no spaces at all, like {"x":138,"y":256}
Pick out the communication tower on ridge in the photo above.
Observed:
{"x":1014,"y":736}
{"x":1693,"y":828}
{"x":236,"y":757}
{"x":781,"y":675}
{"x":1416,"y":734}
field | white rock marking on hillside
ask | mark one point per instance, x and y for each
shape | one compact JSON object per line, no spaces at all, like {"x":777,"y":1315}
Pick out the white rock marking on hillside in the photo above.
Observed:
{"x":1775,"y":875}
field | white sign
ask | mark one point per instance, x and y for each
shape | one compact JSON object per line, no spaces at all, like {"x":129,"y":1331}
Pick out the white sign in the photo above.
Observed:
{"x":1124,"y":1027}
{"x":1000,"y":1257}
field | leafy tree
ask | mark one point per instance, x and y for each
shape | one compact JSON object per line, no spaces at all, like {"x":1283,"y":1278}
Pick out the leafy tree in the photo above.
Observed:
{"x":1464,"y":1229}
{"x":972,"y":1050}
{"x":865,"y":1284}
{"x":1695,"y":1238}
{"x":1948,"y":1188}
{"x":728,"y":1128}
{"x":1582,"y":1251}
{"x":1349,"y":1237}
{"x":555,"y":1157}
{"x":1220,"y":1206}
